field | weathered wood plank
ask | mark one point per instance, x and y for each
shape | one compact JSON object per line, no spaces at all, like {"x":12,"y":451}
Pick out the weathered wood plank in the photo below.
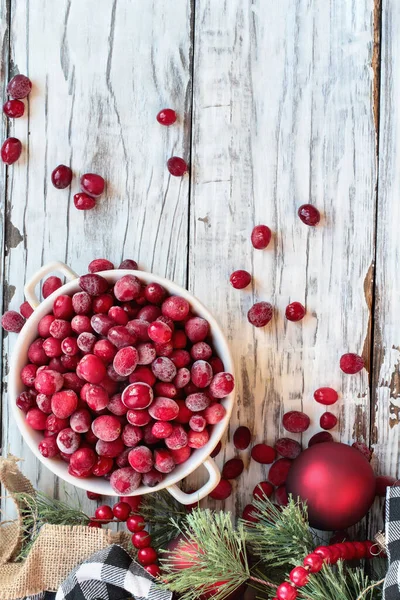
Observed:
{"x":385,"y":418}
{"x":101,"y":71}
{"x":282,"y":117}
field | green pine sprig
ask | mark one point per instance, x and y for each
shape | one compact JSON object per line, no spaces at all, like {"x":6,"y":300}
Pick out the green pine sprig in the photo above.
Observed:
{"x":340,"y":583}
{"x":165,"y":516}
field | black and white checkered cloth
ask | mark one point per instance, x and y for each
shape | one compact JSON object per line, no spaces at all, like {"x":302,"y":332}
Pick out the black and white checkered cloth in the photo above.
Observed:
{"x":392,"y":535}
{"x":110,"y":574}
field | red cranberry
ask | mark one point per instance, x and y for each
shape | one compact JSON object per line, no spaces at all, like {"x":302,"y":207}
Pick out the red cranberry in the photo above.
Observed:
{"x":260,"y":237}
{"x":214,"y":414}
{"x":288,"y":448}
{"x":163,"y":368}
{"x":351,"y":363}
{"x":137,"y":396}
{"x":177,"y":166}
{"x":92,"y":184}
{"x":155,"y":293}
{"x":326,"y":396}
{"x":363,"y":448}
{"x":320,"y":438}
{"x":19,"y":86}
{"x":260,"y":314}
{"x":50,"y":285}
{"x":240,"y":279}
{"x":263,"y":489}
{"x":147,"y":556}
{"x":141,"y":459}
{"x":107,"y":428}
{"x":222,"y":491}
{"x":166,"y":116}
{"x":129,"y":264}
{"x":80,"y":421}
{"x":25,"y":401}
{"x":61,"y":177}
{"x":100,"y":264}
{"x":93,"y":284}
{"x":309,"y":215}
{"x":36,"y":354}
{"x":91,"y":368}
{"x":264,"y":454}
{"x":216,"y":450}
{"x":11,"y":150}
{"x":26,"y":310}
{"x":68,"y":441}
{"x":216,"y":364}
{"x":102,"y":303}
{"x":93,"y":495}
{"x":198,"y":439}
{"x":48,"y":447}
{"x":36,"y":419}
{"x":102,"y":466}
{"x":232,"y":468}
{"x":127,"y":288}
{"x":14,"y":109}
{"x":176,"y":308}
{"x":159,"y":332}
{"x":83,"y":201}
{"x":242,"y":438}
{"x":250,"y":513}
{"x":179,"y":340}
{"x":125,"y":480}
{"x":295,"y":311}
{"x":328,"y":420}
{"x":12,"y":321}
{"x":28,"y":374}
{"x":118,"y":315}
{"x":64,"y":403}
{"x":295,"y":421}
{"x":125,"y":361}
{"x":95,"y":396}
{"x":222,"y":385}
{"x":279,"y":470}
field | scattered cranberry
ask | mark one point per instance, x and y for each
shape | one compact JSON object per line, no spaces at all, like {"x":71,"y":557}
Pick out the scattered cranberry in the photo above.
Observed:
{"x":92,"y":184}
{"x":50,"y":285}
{"x":279,"y":470}
{"x":177,"y":166}
{"x":351,"y":363}
{"x":26,"y":310}
{"x":14,"y":109}
{"x":166,"y":117}
{"x":260,"y":237}
{"x":19,"y":86}
{"x":295,"y":421}
{"x":320,"y":438}
{"x":61,"y":177}
{"x":260,"y":314}
{"x":11,"y":150}
{"x":232,"y":468}
{"x":216,"y":450}
{"x":242,"y":438}
{"x":309,"y":215}
{"x":288,"y":448}
{"x":326,"y":396}
{"x":328,"y":420}
{"x":263,"y":489}
{"x":295,"y":311}
{"x":129,"y":264}
{"x":12,"y":321}
{"x":240,"y":279}
{"x":364,"y":449}
{"x":264,"y":454}
{"x":83,"y":201}
{"x":222,"y":491}
{"x":250,"y":513}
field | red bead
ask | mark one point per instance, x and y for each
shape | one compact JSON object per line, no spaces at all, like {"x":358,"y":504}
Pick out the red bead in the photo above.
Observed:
{"x":153,"y":569}
{"x":264,"y":454}
{"x":147,"y":556}
{"x":19,"y":86}
{"x":104,"y":513}
{"x":351,"y":363}
{"x":326,"y":395}
{"x":346,"y":550}
{"x":309,"y":215}
{"x":295,"y":311}
{"x":94,"y":524}
{"x":286,"y":591}
{"x":360,"y":550}
{"x":84,"y":201}
{"x":314,"y":561}
{"x":141,"y":539}
{"x":133,"y":501}
{"x":166,"y":117}
{"x":92,"y":184}
{"x":299,"y":576}
{"x":260,"y":237}
{"x":121,"y":511}
{"x":177,"y":166}
{"x":135,"y":523}
{"x":371,"y":549}
{"x":11,"y":150}
{"x":328,"y":420}
{"x":325,"y":553}
{"x":240,"y":279}
{"x":14,"y":109}
{"x":61,"y":177}
{"x":335,"y":553}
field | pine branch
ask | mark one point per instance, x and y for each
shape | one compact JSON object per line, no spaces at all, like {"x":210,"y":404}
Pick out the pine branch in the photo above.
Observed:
{"x":164,"y":515}
{"x":341,"y":584}
{"x":212,"y":551}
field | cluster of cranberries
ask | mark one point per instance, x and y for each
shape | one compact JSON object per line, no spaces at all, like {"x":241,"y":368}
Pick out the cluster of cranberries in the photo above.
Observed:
{"x":123,"y":381}
{"x":18,"y":88}
{"x":92,"y":186}
{"x":175,"y":165}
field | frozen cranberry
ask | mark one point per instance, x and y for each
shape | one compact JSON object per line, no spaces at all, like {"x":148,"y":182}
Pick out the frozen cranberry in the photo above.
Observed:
{"x":364,"y":449}
{"x":197,"y":329}
{"x":155,"y":293}
{"x":180,"y":358}
{"x":55,"y":424}
{"x":127,"y":288}
{"x":242,"y":438}
{"x":142,"y":374}
{"x":279,"y":470}
{"x":11,"y":150}
{"x":177,"y":166}
{"x":72,"y":382}
{"x":190,"y":388}
{"x":68,"y":441}
{"x":107,"y":428}
{"x":92,"y":184}
{"x":103,"y":303}
{"x":351,"y":363}
{"x":63,"y":363}
{"x":113,"y":375}
{"x":60,"y":329}
{"x":263,"y":489}
{"x":198,"y":439}
{"x":84,"y":201}
{"x":201,"y":373}
{"x":64,"y":403}
{"x":105,"y":350}
{"x":48,"y":382}
{"x":163,"y":461}
{"x":197,"y":402}
{"x":141,"y":459}
{"x":19,"y":86}
{"x":61,"y":177}
{"x":163,"y":368}
{"x":216,"y":450}
{"x":149,"y":313}
{"x":159,"y":332}
{"x":103,"y":466}
{"x":125,"y":361}
{"x":81,"y":303}
{"x":110,"y":449}
{"x":240,"y":279}
{"x":48,"y":447}
{"x":69,"y":346}
{"x":139,"y":328}
{"x":178,"y":438}
{"x":295,"y":311}
{"x":164,"y":409}
{"x":197,"y":423}
{"x":100,"y":264}
{"x":288,"y":448}
{"x":221,"y":385}
{"x":36,"y":354}
{"x":91,"y":368}
{"x":320,"y":438}
{"x":122,"y":459}
{"x":125,"y":480}
{"x":50,"y":285}
{"x":295,"y":421}
{"x":120,"y":336}
{"x":181,"y":455}
{"x":146,"y":353}
{"x":129,"y":264}
{"x":264,"y":454}
{"x":82,"y":461}
{"x":162,"y":429}
{"x":138,"y":417}
{"x":201,"y":351}
{"x":260,"y":237}
{"x":137,"y":395}
{"x":28,"y":374}
{"x":25,"y":401}
{"x":118,"y":315}
{"x":36,"y":419}
{"x":165,"y":389}
{"x":184,"y":413}
{"x":96,"y":398}
{"x":222,"y":491}
{"x":44,"y":325}
{"x":328,"y":420}
{"x":80,"y":421}
{"x":232,"y":468}
{"x":12,"y":321}
{"x":132,"y":435}
{"x":26,"y":310}
{"x":326,"y":396}
{"x":176,"y":308}
{"x":86,"y":342}
{"x":81,"y":324}
{"x":101,"y":323}
{"x":52,"y":347}
{"x":152,"y":478}
{"x":93,"y":284}
{"x":182,"y":378}
{"x":309,"y":215}
{"x":166,"y":117}
{"x":260,"y":314}
{"x":14,"y":109}
{"x":214,"y":414}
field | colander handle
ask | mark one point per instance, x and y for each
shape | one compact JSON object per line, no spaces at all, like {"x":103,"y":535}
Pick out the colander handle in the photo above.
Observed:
{"x":198,"y":495}
{"x":29,"y":289}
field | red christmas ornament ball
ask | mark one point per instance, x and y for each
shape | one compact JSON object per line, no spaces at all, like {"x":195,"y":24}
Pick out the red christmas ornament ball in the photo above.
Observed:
{"x":337,"y":483}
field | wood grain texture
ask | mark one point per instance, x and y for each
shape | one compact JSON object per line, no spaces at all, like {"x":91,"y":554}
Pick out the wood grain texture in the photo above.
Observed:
{"x":101,"y":72}
{"x":282,"y":117}
{"x":385,"y":418}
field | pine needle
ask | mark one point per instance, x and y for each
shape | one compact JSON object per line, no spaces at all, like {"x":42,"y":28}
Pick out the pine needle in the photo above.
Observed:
{"x":157,"y":510}
{"x":341,"y":584}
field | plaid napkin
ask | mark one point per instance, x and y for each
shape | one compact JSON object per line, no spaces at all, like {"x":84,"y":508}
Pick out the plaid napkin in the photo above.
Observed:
{"x":391,"y":586}
{"x":110,"y":574}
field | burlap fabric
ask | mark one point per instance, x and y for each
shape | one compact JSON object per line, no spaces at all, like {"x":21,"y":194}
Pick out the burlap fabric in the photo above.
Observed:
{"x":55,"y":552}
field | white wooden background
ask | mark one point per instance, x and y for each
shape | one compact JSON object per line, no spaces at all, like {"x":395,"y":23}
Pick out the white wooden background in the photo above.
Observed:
{"x":279,"y":104}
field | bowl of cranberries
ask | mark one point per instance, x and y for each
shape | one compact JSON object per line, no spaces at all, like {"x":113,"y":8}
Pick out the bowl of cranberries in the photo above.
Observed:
{"x":121,"y":383}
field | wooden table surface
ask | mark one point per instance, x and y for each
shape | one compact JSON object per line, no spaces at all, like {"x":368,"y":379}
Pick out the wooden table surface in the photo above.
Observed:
{"x":280,"y":104}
